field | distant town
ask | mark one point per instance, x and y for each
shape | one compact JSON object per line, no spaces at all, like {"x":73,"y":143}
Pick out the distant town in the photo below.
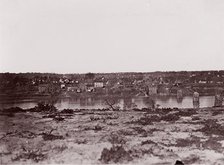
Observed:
{"x":113,"y":84}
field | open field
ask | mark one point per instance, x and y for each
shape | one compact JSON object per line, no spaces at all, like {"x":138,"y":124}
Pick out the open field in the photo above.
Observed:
{"x":156,"y":137}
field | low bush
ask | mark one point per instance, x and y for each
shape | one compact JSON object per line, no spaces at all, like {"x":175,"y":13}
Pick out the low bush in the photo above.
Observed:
{"x":67,"y":111}
{"x":217,"y":112}
{"x":97,"y":127}
{"x":194,"y":118}
{"x":13,"y":110}
{"x":146,"y":120}
{"x":170,"y":117}
{"x":116,"y":139}
{"x":140,"y":131}
{"x":212,"y":127}
{"x":50,"y":137}
{"x":147,"y":142}
{"x":34,"y":155}
{"x":187,"y":112}
{"x":42,"y":107}
{"x":117,"y":154}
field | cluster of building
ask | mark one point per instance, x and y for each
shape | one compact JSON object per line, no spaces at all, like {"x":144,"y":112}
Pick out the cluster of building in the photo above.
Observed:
{"x":138,"y":86}
{"x":143,"y":86}
{"x":71,"y":86}
{"x":135,"y":84}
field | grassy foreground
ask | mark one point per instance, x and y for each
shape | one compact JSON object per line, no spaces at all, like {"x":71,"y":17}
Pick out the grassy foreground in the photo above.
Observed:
{"x":44,"y":135}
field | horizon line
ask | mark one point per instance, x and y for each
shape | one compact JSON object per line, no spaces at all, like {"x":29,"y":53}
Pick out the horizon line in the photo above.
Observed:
{"x":122,"y":72}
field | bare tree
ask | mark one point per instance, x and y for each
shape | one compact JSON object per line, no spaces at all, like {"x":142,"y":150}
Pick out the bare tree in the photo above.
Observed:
{"x":112,"y":103}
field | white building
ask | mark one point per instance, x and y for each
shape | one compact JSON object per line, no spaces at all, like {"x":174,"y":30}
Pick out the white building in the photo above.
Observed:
{"x":98,"y":84}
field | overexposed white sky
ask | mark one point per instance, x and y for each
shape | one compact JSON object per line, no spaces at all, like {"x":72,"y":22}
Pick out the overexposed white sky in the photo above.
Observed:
{"x":71,"y":36}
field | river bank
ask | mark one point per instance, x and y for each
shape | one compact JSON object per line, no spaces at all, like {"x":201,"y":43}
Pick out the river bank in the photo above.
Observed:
{"x":102,"y":102}
{"x":139,"y":136}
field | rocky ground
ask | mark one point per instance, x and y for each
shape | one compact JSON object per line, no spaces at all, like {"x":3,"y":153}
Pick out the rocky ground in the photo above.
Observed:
{"x":44,"y":135}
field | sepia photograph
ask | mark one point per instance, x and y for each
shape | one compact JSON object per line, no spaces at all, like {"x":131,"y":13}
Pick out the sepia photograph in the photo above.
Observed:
{"x":137,"y":82}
